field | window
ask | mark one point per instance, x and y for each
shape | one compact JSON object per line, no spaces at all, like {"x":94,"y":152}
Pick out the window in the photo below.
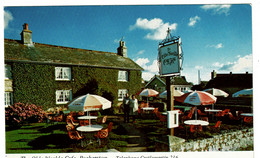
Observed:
{"x":63,"y":96}
{"x":63,"y":73}
{"x":121,"y":94}
{"x":122,"y":76}
{"x":8,"y":99}
{"x":8,"y":74}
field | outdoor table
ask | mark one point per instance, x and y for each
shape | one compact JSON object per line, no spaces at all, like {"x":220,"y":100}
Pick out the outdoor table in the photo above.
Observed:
{"x":212,"y":110}
{"x":196,"y":122}
{"x":89,"y":129}
{"x":87,"y":118}
{"x":148,"y":108}
{"x":164,"y":113}
{"x":247,"y":114}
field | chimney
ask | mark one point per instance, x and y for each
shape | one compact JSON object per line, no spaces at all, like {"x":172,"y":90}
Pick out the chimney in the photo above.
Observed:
{"x":26,"y":35}
{"x":122,"y":50}
{"x":213,"y":74}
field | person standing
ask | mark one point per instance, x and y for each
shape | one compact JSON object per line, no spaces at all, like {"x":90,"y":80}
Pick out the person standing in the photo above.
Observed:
{"x":126,"y":106}
{"x":133,"y":107}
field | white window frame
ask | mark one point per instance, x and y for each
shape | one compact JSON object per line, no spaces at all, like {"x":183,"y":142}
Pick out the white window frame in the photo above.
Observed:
{"x":123,"y":76}
{"x":121,"y":94}
{"x":62,"y":73}
{"x":63,"y":96}
{"x":8,"y":99}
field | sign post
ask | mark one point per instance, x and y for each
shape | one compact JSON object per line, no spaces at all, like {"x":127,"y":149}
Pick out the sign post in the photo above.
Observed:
{"x":170,"y":63}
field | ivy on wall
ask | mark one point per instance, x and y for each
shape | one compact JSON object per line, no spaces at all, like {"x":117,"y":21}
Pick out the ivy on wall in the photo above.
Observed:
{"x":36,"y":84}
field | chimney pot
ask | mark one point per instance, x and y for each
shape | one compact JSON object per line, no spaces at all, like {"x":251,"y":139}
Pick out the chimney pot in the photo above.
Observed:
{"x":25,"y":26}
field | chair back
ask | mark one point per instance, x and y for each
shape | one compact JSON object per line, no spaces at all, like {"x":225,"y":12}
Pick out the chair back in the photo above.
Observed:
{"x":218,"y":124}
{"x":110,"y":125}
{"x":248,"y":119}
{"x":192,"y":110}
{"x":58,"y":118}
{"x":103,"y":133}
{"x":73,"y":134}
{"x":83,"y":122}
{"x":155,"y":110}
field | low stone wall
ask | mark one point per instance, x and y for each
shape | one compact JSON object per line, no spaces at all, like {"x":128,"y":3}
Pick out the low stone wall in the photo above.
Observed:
{"x":232,"y":141}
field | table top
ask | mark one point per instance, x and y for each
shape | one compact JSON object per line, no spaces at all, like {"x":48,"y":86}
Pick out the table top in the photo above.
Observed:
{"x":196,"y":122}
{"x":89,"y":128}
{"x":87,"y":117}
{"x":212,"y":110}
{"x":148,"y":108}
{"x":247,"y":114}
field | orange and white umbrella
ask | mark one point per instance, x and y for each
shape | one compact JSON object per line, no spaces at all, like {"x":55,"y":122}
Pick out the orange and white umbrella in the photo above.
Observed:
{"x":148,"y":93}
{"x":176,"y":93}
{"x":89,"y":102}
{"x":197,"y":98}
{"x":216,"y":92}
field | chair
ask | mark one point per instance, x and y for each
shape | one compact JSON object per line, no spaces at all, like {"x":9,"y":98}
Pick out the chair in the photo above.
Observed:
{"x":248,"y":120}
{"x":110,"y":125}
{"x":102,"y":120}
{"x":216,"y":126}
{"x":103,"y":133}
{"x":195,"y":128}
{"x":83,"y":122}
{"x":187,"y":117}
{"x":73,"y":134}
{"x":70,"y":120}
{"x":201,"y":113}
{"x":232,"y":117}
{"x":155,"y":110}
{"x":223,"y":113}
{"x":58,"y":118}
{"x":162,"y":118}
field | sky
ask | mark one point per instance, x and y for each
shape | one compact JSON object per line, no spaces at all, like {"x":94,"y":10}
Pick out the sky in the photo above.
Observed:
{"x":214,"y":37}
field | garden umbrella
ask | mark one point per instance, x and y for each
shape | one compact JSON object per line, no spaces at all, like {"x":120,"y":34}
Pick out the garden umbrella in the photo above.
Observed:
{"x":89,"y":102}
{"x":176,"y":93}
{"x":216,"y":92}
{"x":148,"y":93}
{"x":244,"y":93}
{"x":197,"y":98}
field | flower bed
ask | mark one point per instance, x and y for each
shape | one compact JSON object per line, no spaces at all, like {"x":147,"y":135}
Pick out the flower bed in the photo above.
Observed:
{"x":232,"y":141}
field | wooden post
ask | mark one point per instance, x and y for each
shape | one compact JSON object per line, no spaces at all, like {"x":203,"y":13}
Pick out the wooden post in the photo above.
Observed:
{"x":170,"y":99}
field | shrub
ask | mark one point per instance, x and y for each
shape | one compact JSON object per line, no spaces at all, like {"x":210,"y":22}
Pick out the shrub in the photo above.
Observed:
{"x":20,"y":113}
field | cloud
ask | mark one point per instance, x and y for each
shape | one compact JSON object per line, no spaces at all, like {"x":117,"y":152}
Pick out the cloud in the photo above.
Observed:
{"x":150,"y":68}
{"x":8,"y":17}
{"x":156,"y":26}
{"x":217,"y":46}
{"x":217,"y":8}
{"x":198,"y":67}
{"x":193,"y":21}
{"x":140,"y":52}
{"x":243,"y":64}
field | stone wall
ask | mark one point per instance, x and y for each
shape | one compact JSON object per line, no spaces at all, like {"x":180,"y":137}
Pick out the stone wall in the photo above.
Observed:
{"x":232,"y":141}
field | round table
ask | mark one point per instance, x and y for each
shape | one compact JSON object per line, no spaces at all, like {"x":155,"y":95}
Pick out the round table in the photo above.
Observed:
{"x":212,"y":110}
{"x":89,"y":128}
{"x":247,"y":114}
{"x":148,"y":108}
{"x":196,"y":122}
{"x":87,"y":118}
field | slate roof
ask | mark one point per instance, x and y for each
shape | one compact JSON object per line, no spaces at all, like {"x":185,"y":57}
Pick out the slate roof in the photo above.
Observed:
{"x":181,"y":80}
{"x":15,"y":51}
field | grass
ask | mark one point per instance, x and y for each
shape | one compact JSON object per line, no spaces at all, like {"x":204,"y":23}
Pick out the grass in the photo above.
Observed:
{"x":53,"y":138}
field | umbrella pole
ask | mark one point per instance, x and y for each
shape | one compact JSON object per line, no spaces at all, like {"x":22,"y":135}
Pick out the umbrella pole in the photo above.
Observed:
{"x":195,"y":112}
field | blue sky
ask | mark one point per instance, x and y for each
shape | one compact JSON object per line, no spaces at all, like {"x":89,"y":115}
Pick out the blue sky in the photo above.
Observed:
{"x":214,"y":37}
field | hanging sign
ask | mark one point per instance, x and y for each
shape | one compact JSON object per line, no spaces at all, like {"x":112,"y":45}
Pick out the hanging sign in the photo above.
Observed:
{"x":170,"y":58}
